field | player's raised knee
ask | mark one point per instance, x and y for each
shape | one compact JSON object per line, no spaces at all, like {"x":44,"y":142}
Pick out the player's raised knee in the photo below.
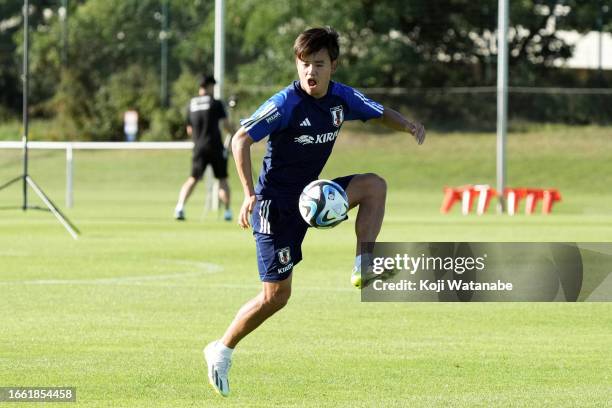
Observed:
{"x":376,"y":185}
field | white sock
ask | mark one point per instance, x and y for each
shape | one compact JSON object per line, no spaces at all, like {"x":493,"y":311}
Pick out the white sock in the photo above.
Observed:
{"x":179,"y":207}
{"x":358,"y":262}
{"x":367,"y":257}
{"x":223,"y":349}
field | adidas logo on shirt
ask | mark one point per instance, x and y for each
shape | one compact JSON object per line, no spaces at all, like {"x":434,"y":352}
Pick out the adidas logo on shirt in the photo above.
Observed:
{"x":305,"y":122}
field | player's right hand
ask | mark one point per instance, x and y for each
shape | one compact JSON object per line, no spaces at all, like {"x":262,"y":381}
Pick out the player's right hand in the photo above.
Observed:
{"x":246,"y":210}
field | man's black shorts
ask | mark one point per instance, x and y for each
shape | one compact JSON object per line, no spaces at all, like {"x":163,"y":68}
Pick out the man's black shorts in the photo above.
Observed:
{"x":202,"y":158}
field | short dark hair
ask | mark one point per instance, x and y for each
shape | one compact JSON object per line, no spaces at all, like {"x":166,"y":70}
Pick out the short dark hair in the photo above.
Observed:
{"x":314,"y":40}
{"x":207,"y":80}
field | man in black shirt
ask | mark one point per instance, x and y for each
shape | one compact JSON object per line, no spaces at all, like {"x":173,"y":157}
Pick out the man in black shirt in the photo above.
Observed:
{"x":203,"y":116}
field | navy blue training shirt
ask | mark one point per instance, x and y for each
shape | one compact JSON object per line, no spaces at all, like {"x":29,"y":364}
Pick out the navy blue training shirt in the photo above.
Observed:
{"x":302,"y":131}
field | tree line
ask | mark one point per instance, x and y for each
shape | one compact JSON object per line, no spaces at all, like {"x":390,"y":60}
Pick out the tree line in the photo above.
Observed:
{"x":98,"y":58}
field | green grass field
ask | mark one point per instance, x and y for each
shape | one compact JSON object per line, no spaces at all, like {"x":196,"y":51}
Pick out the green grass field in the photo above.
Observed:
{"x":123,"y":313}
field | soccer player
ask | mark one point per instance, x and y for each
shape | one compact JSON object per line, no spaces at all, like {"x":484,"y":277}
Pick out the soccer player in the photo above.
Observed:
{"x":203,"y":117}
{"x":302,"y":123}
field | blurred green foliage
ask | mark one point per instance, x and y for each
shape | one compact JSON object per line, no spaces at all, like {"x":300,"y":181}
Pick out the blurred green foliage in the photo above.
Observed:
{"x":104,"y":58}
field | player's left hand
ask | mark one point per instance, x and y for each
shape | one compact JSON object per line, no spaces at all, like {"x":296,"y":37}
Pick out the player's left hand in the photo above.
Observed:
{"x":418,"y":131}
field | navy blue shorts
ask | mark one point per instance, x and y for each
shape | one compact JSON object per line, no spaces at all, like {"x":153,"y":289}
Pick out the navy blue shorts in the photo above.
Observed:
{"x":279,"y":230}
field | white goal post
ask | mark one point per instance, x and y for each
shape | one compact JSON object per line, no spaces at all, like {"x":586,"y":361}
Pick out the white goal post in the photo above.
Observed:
{"x":211,"y":184}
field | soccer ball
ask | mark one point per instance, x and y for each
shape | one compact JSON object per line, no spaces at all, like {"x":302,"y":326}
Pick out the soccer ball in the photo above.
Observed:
{"x":323,"y":204}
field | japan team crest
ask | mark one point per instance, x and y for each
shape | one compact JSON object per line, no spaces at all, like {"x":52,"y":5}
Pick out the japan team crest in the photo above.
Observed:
{"x":337,"y":115}
{"x":284,"y":255}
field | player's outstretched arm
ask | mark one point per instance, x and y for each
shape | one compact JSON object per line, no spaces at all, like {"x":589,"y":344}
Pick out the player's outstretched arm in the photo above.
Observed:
{"x":394,"y":120}
{"x":241,"y":149}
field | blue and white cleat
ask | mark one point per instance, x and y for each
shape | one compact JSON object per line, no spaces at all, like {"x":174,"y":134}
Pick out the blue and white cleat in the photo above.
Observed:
{"x":356,"y":277}
{"x":361,"y":280}
{"x":227,"y":215}
{"x":218,"y":369}
{"x":179,"y":215}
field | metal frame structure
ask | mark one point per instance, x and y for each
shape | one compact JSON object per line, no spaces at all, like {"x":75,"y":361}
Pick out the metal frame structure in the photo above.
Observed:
{"x":502,"y":99}
{"x":25,"y":177}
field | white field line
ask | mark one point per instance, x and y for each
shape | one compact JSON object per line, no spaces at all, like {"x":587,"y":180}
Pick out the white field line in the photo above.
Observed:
{"x":102,"y":282}
{"x":155,"y":281}
{"x":150,"y":282}
{"x":202,"y":268}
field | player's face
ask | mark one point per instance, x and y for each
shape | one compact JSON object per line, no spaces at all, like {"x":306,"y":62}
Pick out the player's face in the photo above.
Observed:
{"x":315,"y":71}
